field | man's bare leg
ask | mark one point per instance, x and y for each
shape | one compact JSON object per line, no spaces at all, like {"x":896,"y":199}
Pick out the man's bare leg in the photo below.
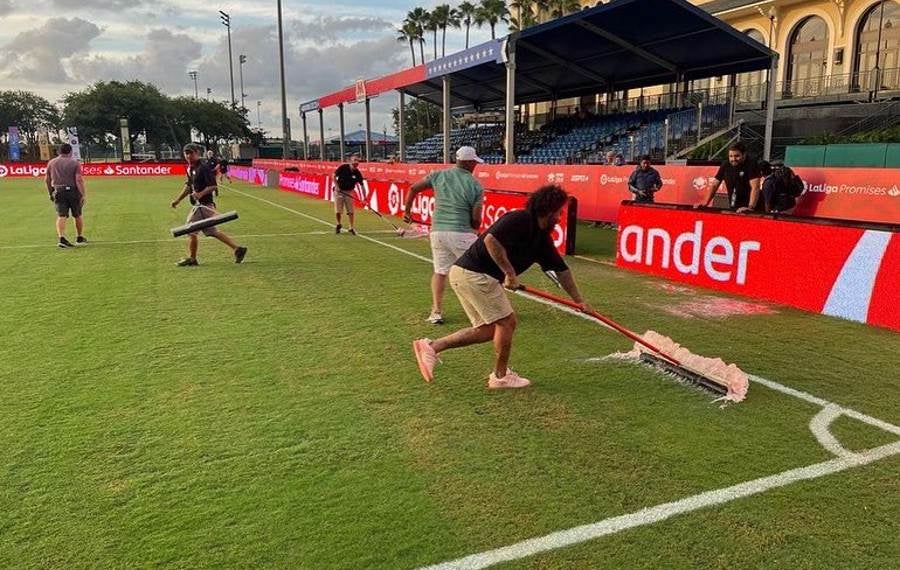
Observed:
{"x":464,"y":337}
{"x":438,"y":284}
{"x":503,"y":335}
{"x":60,"y":226}
{"x":79,"y":226}
{"x":193,"y":241}
{"x":224,"y":238}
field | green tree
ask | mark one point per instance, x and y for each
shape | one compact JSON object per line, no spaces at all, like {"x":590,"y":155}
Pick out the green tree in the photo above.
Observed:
{"x":565,"y":7}
{"x":214,"y":122}
{"x":29,"y":112}
{"x":419,"y":18}
{"x":445,"y":17}
{"x":492,"y":12}
{"x":466,"y":12}
{"x":408,"y":33}
{"x":419,"y":116}
{"x":432,"y":25}
{"x":524,"y":15}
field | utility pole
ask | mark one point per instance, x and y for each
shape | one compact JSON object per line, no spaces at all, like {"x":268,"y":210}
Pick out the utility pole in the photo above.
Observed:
{"x":193,"y":75}
{"x":208,"y":93}
{"x":285,"y":129}
{"x":258,"y":121}
{"x":226,"y":21}
{"x":242,"y":59}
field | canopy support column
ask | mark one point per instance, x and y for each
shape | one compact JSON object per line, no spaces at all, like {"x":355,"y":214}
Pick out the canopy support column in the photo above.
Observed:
{"x":321,"y":136}
{"x":368,"y":131}
{"x":770,"y":109}
{"x":402,"y":126}
{"x":341,"y":110}
{"x":445,"y":110}
{"x":510,"y":138}
{"x":305,"y":138}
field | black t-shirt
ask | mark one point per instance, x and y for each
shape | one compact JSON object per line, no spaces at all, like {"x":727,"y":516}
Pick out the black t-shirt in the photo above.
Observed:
{"x":525,"y":243}
{"x":347,"y":178}
{"x":737,"y":182}
{"x":201,"y":176}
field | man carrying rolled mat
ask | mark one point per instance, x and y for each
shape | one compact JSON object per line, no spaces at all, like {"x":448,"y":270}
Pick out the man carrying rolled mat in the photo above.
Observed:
{"x":200,"y":185}
{"x":508,"y":248}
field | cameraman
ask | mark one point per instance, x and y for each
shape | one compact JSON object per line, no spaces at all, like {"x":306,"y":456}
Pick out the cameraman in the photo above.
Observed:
{"x":780,"y":188}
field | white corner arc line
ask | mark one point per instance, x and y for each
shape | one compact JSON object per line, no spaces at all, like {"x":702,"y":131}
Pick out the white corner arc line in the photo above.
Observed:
{"x":664,"y":511}
{"x":819,"y":426}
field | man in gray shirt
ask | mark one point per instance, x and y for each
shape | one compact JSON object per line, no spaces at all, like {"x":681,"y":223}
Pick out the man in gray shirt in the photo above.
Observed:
{"x":66,"y":187}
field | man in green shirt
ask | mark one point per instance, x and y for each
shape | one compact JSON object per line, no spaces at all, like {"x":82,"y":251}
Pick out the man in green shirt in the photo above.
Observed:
{"x":458,"y":200}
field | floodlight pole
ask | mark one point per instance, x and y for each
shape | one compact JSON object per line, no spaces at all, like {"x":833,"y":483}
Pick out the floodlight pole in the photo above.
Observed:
{"x":226,"y":21}
{"x":242,"y":59}
{"x":368,"y":130}
{"x":258,"y":121}
{"x":193,"y":75}
{"x":446,"y":116}
{"x":510,"y":138}
{"x":402,"y":126}
{"x":770,"y":109}
{"x":305,"y":137}
{"x":341,"y":113}
{"x":321,"y":136}
{"x":286,"y":134}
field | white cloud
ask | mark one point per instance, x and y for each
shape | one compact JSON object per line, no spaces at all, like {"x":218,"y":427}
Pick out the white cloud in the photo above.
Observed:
{"x":39,"y":55}
{"x":6,"y":6}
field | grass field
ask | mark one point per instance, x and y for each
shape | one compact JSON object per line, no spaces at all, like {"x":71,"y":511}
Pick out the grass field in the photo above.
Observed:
{"x":270,"y":414}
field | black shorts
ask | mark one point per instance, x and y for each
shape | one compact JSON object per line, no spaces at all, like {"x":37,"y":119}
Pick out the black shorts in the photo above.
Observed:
{"x":68,"y":201}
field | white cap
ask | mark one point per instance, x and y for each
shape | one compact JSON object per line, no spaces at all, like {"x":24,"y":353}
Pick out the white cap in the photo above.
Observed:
{"x":468,"y":153}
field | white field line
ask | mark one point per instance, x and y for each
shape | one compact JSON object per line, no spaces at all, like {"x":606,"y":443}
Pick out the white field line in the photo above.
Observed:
{"x":597,"y":261}
{"x":664,"y":511}
{"x":819,"y":425}
{"x":144,"y":241}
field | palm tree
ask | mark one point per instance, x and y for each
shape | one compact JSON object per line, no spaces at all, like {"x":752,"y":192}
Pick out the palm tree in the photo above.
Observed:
{"x":565,"y":7}
{"x":408,"y":33}
{"x":492,"y":12}
{"x":419,"y":17}
{"x":466,"y":12}
{"x":433,"y":25}
{"x":543,"y":9}
{"x":524,"y":17}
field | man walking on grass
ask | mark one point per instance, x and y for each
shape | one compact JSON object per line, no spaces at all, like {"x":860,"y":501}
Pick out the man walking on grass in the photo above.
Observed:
{"x":458,"y":200}
{"x":499,"y":256}
{"x":200,"y":185}
{"x":66,"y":187}
{"x":346,"y":178}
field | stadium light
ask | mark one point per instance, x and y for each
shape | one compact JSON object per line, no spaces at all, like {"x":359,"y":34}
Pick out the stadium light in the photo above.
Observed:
{"x":226,"y":21}
{"x":285,"y":128}
{"x":258,"y":121}
{"x":242,"y":59}
{"x":193,"y":75}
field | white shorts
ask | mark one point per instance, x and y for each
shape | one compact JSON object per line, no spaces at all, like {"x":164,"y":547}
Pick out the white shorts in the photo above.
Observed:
{"x":447,"y":247}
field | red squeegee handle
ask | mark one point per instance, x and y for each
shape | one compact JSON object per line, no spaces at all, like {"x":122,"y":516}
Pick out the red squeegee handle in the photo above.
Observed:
{"x":599,"y":317}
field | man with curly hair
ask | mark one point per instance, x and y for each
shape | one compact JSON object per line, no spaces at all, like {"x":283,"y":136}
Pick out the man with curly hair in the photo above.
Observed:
{"x":494,"y":261}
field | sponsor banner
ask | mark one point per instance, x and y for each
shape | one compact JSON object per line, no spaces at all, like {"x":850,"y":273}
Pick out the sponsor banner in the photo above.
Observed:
{"x":488,"y":52}
{"x":843,"y":271}
{"x":858,"y":194}
{"x":72,"y":133}
{"x":44,"y":143}
{"x":15,"y":153}
{"x":388,"y":198}
{"x":36,"y":169}
{"x":248,"y":174}
{"x":126,"y":139}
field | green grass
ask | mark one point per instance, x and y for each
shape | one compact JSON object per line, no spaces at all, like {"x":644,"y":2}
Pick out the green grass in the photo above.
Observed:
{"x":270,"y":414}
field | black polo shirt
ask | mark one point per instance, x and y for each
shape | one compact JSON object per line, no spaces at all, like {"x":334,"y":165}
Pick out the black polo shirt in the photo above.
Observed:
{"x":201,"y":176}
{"x":737,"y":182}
{"x":525,"y":243}
{"x":347,"y":178}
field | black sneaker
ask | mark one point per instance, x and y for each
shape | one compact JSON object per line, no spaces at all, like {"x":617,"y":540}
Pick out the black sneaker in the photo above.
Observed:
{"x":337,"y":229}
{"x":352,"y":232}
{"x":239,"y":254}
{"x":187,"y":262}
{"x":81,"y":239}
{"x":64,"y":243}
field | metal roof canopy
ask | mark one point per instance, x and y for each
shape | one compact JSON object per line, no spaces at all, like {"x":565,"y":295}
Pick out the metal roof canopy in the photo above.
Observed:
{"x":625,"y":44}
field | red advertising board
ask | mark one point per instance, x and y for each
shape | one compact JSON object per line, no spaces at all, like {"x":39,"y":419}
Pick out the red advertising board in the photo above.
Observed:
{"x":858,"y":194}
{"x":849,"y":272}
{"x":39,"y":169}
{"x":389,"y":197}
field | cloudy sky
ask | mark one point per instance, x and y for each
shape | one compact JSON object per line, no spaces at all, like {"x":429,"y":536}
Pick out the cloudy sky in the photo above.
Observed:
{"x":52,"y":47}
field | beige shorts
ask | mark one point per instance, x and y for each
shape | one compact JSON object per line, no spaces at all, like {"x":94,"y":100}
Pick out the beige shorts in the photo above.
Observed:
{"x":447,"y":247}
{"x":482,"y":297}
{"x":198,"y":213}
{"x":343,"y":202}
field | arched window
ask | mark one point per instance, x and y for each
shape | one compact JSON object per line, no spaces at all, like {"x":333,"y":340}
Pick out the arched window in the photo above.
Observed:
{"x":878,"y":45}
{"x":750,"y":85}
{"x":807,"y":57}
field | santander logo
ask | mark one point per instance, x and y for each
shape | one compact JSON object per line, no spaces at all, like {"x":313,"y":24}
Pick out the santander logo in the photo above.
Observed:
{"x":691,"y":252}
{"x":3,"y":171}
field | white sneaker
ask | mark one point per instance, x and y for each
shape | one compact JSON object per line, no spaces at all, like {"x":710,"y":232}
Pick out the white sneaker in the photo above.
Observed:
{"x":511,"y":380}
{"x":436,"y":319}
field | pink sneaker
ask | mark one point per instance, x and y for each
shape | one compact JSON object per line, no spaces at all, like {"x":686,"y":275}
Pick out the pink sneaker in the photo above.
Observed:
{"x":511,"y":380}
{"x":426,"y":357}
